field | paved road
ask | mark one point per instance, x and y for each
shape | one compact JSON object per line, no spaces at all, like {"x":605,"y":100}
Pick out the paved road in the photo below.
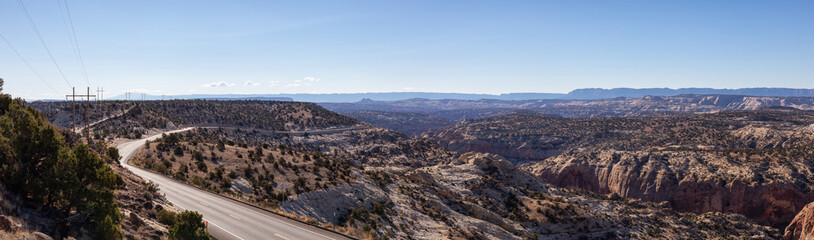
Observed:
{"x":82,"y":127}
{"x":227,"y":218}
{"x":294,"y":133}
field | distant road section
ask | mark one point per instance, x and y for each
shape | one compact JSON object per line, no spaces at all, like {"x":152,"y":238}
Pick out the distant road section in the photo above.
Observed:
{"x":228,"y":219}
{"x":294,"y":133}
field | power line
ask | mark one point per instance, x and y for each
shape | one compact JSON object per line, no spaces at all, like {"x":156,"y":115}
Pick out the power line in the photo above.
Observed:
{"x":27,"y":64}
{"x":72,"y":36}
{"x":25,"y":10}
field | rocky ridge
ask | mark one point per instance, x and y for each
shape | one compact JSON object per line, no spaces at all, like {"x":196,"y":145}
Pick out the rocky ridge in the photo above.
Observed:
{"x":408,"y":123}
{"x":802,"y":226}
{"x":390,"y":187}
{"x":485,"y":196}
{"x":755,"y":163}
{"x":133,"y":119}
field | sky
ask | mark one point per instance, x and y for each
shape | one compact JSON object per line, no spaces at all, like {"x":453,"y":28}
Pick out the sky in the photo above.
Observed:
{"x":266,"y":47}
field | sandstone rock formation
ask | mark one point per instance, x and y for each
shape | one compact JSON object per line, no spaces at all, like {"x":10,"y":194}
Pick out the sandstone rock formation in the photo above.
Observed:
{"x":485,"y":196}
{"x":696,"y":182}
{"x":755,"y":163}
{"x":802,"y":226}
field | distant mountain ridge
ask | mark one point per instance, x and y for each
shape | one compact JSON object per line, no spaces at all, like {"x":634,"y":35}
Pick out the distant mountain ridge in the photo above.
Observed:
{"x":584,"y":94}
{"x":599,"y":93}
{"x":619,"y":106}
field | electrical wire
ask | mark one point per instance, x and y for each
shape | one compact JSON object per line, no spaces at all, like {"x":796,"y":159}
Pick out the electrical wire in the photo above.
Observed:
{"x":27,"y":64}
{"x":34,"y":26}
{"x":72,"y":36}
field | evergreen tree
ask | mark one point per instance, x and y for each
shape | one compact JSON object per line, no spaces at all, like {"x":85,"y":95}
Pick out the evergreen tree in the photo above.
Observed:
{"x":36,"y":162}
{"x":189,"y":226}
{"x":113,"y":154}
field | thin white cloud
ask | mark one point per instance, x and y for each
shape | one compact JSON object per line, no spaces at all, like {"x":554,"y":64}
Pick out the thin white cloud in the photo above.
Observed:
{"x":218,"y":84}
{"x":274,"y":83}
{"x":308,"y":79}
{"x":250,"y":83}
{"x":306,"y":82}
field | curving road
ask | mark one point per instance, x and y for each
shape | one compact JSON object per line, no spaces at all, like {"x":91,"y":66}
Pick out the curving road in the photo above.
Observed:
{"x":294,"y":133}
{"x":227,"y":218}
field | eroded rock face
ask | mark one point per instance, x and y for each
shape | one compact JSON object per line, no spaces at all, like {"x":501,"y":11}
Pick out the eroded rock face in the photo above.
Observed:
{"x":755,"y":163}
{"x":484,"y":196}
{"x":694,"y":182}
{"x":802,"y":227}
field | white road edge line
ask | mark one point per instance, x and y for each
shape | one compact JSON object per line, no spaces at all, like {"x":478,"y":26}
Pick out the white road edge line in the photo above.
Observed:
{"x":281,"y":236}
{"x":262,"y":213}
{"x":249,"y":208}
{"x":289,"y":224}
{"x":210,"y":222}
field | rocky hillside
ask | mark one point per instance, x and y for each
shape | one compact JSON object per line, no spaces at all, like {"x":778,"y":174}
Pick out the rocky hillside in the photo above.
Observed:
{"x":57,"y":184}
{"x":698,"y":163}
{"x":376,"y":183}
{"x":647,"y":105}
{"x":771,"y":194}
{"x":134,"y":119}
{"x":484,"y":196}
{"x":408,"y":123}
{"x":419,"y":115}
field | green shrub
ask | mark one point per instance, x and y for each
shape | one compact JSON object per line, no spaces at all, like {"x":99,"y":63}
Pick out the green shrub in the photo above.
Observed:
{"x":189,"y":226}
{"x":179,"y":151}
{"x":108,"y":229}
{"x":221,"y":147}
{"x":166,"y":217}
{"x":37,"y":162}
{"x":113,"y":154}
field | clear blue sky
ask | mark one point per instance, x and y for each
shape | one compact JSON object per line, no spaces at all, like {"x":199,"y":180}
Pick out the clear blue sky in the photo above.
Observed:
{"x":189,"y":47}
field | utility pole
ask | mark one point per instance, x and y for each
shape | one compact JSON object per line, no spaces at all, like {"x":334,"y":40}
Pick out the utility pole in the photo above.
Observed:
{"x":100,"y":92}
{"x":87,"y":111}
{"x":73,"y":108}
{"x":87,"y":117}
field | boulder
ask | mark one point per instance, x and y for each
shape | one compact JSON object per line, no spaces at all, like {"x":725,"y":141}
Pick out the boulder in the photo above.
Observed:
{"x":6,"y":224}
{"x":136,"y":220}
{"x":802,"y":226}
{"x":42,"y":236}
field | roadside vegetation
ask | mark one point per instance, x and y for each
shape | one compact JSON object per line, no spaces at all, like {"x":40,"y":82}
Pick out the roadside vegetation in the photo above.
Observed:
{"x":378,"y":184}
{"x":374,"y":183}
{"x":68,"y":180}
{"x":134,"y":119}
{"x":263,"y":174}
{"x":187,"y":225}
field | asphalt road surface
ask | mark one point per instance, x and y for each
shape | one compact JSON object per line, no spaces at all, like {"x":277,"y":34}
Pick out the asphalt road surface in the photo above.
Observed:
{"x":228,"y":219}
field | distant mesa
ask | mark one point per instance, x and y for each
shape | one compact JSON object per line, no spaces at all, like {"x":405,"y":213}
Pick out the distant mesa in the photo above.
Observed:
{"x":219,"y":97}
{"x":578,"y":94}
